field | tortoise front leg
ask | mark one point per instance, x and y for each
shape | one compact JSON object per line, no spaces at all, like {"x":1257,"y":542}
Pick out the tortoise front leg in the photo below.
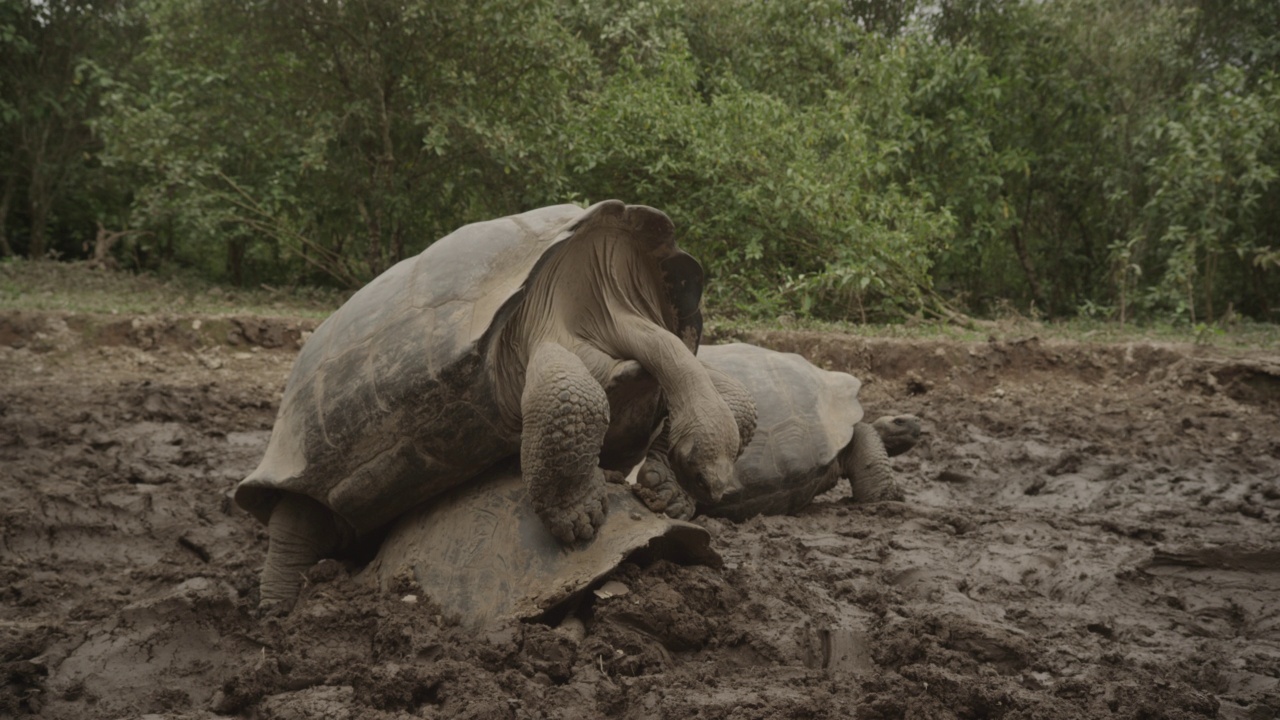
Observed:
{"x":565,"y":417}
{"x":657,"y":484}
{"x":705,"y":438}
{"x":866,"y":464}
{"x":302,"y":531}
{"x":740,"y":403}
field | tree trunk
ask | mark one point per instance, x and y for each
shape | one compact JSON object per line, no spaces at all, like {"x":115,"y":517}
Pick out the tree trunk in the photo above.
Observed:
{"x":39,"y":215}
{"x":38,"y":208}
{"x":104,"y":241}
{"x":373,"y":229}
{"x":39,"y":194}
{"x":235,"y":260}
{"x":1210,"y":270}
{"x":384,"y":168}
{"x":1259,"y":278}
{"x":10,"y":182}
{"x":1020,"y":247}
{"x":1028,"y":268}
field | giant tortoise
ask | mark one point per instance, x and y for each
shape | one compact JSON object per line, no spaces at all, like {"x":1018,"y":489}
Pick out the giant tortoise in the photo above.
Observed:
{"x":561,"y":334}
{"x":809,"y":434}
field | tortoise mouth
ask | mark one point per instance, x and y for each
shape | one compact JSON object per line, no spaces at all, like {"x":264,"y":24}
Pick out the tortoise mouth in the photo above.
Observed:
{"x":711,"y":485}
{"x":702,"y":493}
{"x":691,"y":478}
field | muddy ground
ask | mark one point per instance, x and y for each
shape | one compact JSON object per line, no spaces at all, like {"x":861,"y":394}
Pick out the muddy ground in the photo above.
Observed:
{"x":1090,"y":531}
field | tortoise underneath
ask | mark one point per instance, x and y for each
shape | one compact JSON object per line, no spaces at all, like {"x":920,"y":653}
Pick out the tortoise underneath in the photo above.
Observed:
{"x":809,"y":434}
{"x":482,"y":555}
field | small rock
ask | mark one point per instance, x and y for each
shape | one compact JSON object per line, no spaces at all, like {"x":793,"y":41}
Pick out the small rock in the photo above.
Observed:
{"x":573,"y":628}
{"x":1252,"y":511}
{"x":409,"y":599}
{"x":611,"y":588}
{"x":951,"y":476}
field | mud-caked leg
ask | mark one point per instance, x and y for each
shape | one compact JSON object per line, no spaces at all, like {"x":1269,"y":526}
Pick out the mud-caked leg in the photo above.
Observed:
{"x":302,"y":531}
{"x":565,"y":417}
{"x":866,"y":464}
{"x":657,"y":485}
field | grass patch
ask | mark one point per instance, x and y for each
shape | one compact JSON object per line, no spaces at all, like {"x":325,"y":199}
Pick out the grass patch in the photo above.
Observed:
{"x":1238,"y":335}
{"x":78,"y":287}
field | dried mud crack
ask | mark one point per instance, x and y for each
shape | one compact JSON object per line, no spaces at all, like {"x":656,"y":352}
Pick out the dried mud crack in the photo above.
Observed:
{"x":1090,"y":531}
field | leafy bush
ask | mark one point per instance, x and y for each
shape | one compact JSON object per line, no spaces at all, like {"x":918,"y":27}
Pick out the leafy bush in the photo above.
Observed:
{"x":1207,"y":233}
{"x":841,"y":159}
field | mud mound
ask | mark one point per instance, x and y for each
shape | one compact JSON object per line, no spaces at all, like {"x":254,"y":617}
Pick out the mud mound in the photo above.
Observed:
{"x":1091,"y":531}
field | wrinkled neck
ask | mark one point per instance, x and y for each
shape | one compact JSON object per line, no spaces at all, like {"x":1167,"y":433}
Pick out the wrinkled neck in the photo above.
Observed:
{"x":582,"y":295}
{"x":682,"y":377}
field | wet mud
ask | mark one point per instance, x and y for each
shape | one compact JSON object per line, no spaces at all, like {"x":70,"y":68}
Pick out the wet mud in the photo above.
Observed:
{"x":1090,"y":531}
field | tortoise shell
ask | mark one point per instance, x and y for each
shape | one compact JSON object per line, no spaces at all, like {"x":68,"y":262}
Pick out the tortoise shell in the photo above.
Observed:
{"x":395,"y":398}
{"x":484,"y":556}
{"x":805,"y":419}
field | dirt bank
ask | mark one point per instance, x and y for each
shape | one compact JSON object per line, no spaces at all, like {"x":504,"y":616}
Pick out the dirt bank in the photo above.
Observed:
{"x":1090,"y":531}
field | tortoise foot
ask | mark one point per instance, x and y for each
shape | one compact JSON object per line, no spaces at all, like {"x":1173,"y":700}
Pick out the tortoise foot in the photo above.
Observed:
{"x":269,"y":609}
{"x":578,"y":516}
{"x":888,"y":493}
{"x":657,"y":488}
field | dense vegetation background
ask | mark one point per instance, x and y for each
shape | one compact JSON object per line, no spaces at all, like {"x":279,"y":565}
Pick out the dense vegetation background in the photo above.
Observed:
{"x":841,"y":159}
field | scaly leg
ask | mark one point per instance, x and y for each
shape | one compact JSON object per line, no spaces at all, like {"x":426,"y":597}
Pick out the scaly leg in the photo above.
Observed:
{"x":740,"y":402}
{"x":302,"y":531}
{"x":866,"y":464}
{"x":565,"y":417}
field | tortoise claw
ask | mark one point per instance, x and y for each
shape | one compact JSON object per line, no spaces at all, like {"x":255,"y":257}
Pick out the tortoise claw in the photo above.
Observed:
{"x":273,"y":609}
{"x":657,"y":488}
{"x":571,"y":521}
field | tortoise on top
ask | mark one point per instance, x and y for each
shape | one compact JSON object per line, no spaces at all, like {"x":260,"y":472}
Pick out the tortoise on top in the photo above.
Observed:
{"x":809,"y":434}
{"x":512,"y":335}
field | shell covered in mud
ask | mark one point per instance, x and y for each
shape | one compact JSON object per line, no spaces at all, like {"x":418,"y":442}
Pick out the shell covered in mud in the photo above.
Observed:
{"x":805,"y":418}
{"x":482,"y":554}
{"x":399,"y":395}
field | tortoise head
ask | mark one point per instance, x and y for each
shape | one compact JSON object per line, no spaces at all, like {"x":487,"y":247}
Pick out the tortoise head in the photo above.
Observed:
{"x":703,"y":461}
{"x":900,"y":433}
